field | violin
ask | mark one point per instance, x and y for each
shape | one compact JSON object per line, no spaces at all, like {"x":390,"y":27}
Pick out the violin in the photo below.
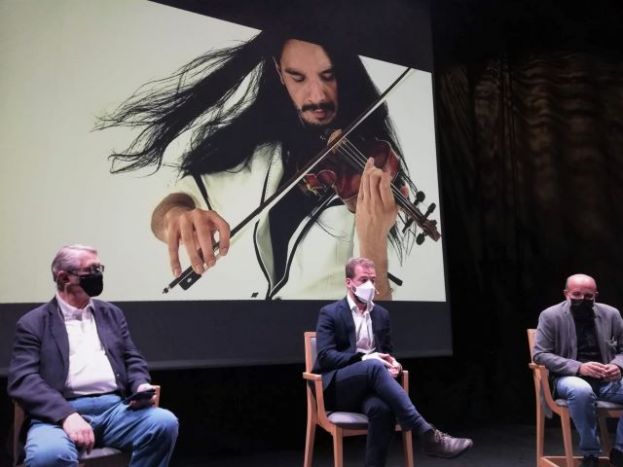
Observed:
{"x":341,"y":172}
{"x":345,"y":182}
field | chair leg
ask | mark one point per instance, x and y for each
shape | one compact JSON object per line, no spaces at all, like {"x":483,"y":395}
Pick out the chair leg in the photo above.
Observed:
{"x":310,"y":435}
{"x":338,"y":455}
{"x":603,"y":433}
{"x":565,"y":421}
{"x":540,"y":431}
{"x":407,"y":441}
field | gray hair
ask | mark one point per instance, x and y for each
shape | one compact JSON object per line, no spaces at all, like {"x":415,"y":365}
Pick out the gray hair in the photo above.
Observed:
{"x":68,"y":258}
{"x":352,"y":263}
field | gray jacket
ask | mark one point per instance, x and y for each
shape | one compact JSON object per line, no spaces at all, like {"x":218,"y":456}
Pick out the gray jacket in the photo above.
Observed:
{"x":556,"y":346}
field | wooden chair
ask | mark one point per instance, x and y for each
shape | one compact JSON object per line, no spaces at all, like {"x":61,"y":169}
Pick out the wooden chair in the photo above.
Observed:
{"x":545,"y":402}
{"x":99,"y":457}
{"x":338,"y":424}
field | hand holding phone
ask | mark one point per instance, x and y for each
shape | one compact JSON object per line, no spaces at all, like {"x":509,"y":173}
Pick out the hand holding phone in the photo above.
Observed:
{"x":140,"y":396}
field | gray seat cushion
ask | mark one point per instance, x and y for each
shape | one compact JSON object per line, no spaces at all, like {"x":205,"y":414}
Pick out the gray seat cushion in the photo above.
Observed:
{"x":352,"y":420}
{"x":600,"y":404}
{"x":101,"y":452}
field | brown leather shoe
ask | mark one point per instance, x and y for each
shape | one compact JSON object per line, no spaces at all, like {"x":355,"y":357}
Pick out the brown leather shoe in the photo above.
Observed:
{"x":439,"y":444}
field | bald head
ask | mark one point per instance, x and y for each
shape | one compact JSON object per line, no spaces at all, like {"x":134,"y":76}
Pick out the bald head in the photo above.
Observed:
{"x":580,"y":280}
{"x":579,"y":286}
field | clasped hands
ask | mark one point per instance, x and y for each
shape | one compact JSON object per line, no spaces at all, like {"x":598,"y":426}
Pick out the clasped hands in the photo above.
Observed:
{"x":606,"y":372}
{"x":81,"y":432}
{"x":393,"y":366}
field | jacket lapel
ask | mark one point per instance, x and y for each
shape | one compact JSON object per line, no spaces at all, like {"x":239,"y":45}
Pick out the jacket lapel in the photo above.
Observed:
{"x":603,"y":335}
{"x":349,"y":324}
{"x":59,"y":332}
{"x":374,"y":316}
{"x":102,"y":329}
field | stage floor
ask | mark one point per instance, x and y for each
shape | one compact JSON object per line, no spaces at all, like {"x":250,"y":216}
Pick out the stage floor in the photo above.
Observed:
{"x":494,"y":446}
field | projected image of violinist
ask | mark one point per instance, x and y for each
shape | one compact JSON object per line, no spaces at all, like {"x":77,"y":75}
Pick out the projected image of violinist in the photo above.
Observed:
{"x":293,"y":166}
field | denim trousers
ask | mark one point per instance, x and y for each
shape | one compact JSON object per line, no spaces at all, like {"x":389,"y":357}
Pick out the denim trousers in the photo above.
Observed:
{"x":149,"y":434}
{"x":367,"y":387}
{"x":581,"y":396}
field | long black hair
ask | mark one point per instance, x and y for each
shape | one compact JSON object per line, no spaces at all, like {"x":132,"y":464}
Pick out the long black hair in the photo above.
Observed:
{"x":233,"y":102}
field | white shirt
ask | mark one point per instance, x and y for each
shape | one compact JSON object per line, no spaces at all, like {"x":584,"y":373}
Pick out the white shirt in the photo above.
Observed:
{"x":317,"y":251}
{"x":90,"y":371}
{"x":364,"y":335}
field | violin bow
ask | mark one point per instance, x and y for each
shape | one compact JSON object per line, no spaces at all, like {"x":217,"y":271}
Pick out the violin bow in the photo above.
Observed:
{"x":188,"y":277}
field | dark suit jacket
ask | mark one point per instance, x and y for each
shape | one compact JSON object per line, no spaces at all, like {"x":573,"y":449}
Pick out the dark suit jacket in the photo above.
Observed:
{"x":40,"y":360}
{"x":335,"y":338}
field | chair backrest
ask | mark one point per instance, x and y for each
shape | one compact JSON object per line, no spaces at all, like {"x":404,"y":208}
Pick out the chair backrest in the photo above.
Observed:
{"x":311,"y":352}
{"x":540,"y":374}
{"x":531,"y":341}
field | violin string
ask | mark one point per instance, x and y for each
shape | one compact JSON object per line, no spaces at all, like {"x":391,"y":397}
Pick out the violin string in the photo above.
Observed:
{"x":352,"y":153}
{"x":358,"y":159}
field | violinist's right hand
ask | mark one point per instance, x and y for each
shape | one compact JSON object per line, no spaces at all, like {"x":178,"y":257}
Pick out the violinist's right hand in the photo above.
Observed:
{"x":177,"y":221}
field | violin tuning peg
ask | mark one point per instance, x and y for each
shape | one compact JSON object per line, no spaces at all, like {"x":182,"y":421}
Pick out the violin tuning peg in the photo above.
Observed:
{"x":430,"y":209}
{"x":420,"y":239}
{"x":419,"y":197}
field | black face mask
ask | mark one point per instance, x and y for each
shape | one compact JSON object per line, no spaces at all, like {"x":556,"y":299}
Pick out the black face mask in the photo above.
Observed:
{"x":92,"y":284}
{"x":582,"y":309}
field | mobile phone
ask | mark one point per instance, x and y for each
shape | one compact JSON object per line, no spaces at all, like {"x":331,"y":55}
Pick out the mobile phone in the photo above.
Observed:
{"x":140,"y":396}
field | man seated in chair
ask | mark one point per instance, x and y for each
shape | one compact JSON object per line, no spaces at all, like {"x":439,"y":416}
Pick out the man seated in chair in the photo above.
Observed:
{"x":73,"y":362}
{"x":579,"y":342}
{"x":359,"y":373}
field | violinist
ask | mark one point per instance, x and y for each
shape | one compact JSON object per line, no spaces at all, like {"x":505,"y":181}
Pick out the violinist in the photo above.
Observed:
{"x":244,"y":149}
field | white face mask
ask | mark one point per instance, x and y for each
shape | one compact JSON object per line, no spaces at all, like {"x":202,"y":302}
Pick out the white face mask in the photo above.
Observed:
{"x":365,"y":292}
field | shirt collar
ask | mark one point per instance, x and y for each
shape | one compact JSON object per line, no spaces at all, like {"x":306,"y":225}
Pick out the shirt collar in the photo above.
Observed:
{"x":70,"y":312}
{"x":353,"y":305}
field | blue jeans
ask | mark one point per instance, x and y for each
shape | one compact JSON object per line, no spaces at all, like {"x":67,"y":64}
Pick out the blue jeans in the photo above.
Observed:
{"x":367,"y":387}
{"x":149,"y":433}
{"x":581,"y":396}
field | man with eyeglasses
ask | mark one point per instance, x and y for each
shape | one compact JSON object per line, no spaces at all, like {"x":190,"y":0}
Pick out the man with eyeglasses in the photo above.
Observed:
{"x":579,"y":341}
{"x":73,"y":363}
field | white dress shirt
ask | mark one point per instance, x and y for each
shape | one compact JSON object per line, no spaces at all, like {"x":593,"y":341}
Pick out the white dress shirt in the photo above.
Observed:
{"x":90,"y":371}
{"x":364,"y":335}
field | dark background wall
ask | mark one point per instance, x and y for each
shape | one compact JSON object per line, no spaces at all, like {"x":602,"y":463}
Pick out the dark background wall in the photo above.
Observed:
{"x":529,"y":107}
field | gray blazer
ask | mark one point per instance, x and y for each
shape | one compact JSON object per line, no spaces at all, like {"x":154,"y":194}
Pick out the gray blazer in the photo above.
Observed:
{"x":40,"y":359}
{"x":556,"y":346}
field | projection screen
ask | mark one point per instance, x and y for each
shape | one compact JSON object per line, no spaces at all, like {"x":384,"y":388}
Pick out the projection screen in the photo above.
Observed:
{"x":67,"y":64}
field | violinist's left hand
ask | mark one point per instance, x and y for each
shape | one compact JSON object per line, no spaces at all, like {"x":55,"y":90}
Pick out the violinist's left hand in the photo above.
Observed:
{"x":376,"y":208}
{"x":375,"y":215}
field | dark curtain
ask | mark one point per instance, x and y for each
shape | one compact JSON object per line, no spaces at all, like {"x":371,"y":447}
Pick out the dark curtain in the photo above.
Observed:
{"x":530,"y":137}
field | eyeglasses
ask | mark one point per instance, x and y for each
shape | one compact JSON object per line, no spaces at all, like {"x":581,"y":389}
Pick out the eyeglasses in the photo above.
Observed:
{"x":93,"y":269}
{"x":582,"y":296}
